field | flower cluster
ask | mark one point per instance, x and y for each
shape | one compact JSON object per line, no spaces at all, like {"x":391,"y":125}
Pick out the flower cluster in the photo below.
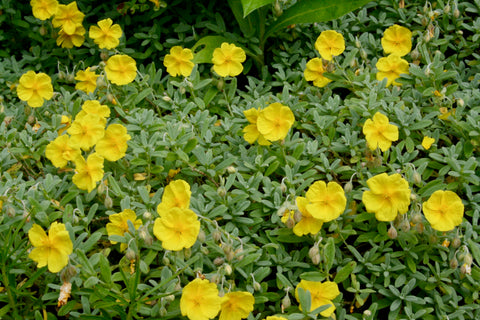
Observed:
{"x":86,"y":131}
{"x":329,"y":43}
{"x":397,"y":42}
{"x":178,"y":226}
{"x":200,"y":300}
{"x":322,"y":203}
{"x":269,"y":124}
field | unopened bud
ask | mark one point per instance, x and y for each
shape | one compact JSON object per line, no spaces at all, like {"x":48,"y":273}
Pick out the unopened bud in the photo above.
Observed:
{"x":101,"y":83}
{"x":286,"y":302}
{"x":130,"y":254}
{"x":460,"y":102}
{"x":218,"y":261}
{"x":162,"y":311}
{"x":468,"y":259}
{"x":10,"y":212}
{"x":348,"y":187}
{"x":182,"y":90}
{"x":447,"y":8}
{"x":363,"y":54}
{"x":216,"y":235}
{"x":367,"y":313}
{"x":415,"y":54}
{"x":187,"y":252}
{"x":231,"y":169}
{"x":166,"y":98}
{"x":456,"y":242}
{"x":283,"y":187}
{"x":257,"y":286}
{"x":147,"y":215}
{"x":228,"y":269}
{"x":221,"y":191}
{"x":101,"y":188}
{"x":392,"y":233}
{"x":201,"y":236}
{"x":413,"y":197}
{"x":290,"y":223}
{"x":104,"y":55}
{"x":297,"y":216}
{"x":454,"y":263}
{"x":433,"y":239}
{"x":61,"y":75}
{"x":420,"y":227}
{"x":456,"y":13}
{"x":70,"y":78}
{"x":314,"y":254}
{"x":405,"y":225}
{"x":216,"y":279}
{"x":417,"y":218}
{"x":428,"y":71}
{"x":424,"y":21}
{"x":220,"y":84}
{"x":358,"y":44}
{"x":277,"y":9}
{"x":417,"y":178}
{"x":108,"y":203}
{"x":166,"y":261}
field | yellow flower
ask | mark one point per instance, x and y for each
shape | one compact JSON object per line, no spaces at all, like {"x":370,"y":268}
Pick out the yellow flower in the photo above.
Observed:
{"x":113,"y":145}
{"x":59,"y":151}
{"x":52,"y":249}
{"x":236,"y":305}
{"x":307,"y":224}
{"x":94,"y":107}
{"x":35,"y":88}
{"x":379,"y":133}
{"x":176,"y":194}
{"x":397,"y":40}
{"x":121,"y":69}
{"x":391,"y":68}
{"x":87,"y":80}
{"x":66,"y":121}
{"x":86,"y":131}
{"x":200,"y":300}
{"x":427,"y":142}
{"x":178,"y":62}
{"x":275,"y":121}
{"x":250,"y":132}
{"x":68,"y":17}
{"x":314,"y":72}
{"x":118,"y":224}
{"x":388,"y":196}
{"x":43,"y":9}
{"x":330,"y":43}
{"x":326,"y":202}
{"x":106,"y":35}
{"x":321,"y":294}
{"x":88,"y":173}
{"x":177,"y":228}
{"x":76,"y":38}
{"x":227,"y":60}
{"x":444,"y":210}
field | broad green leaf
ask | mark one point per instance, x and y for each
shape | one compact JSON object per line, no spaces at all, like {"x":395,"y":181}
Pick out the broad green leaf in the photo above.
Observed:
{"x":210,"y":43}
{"x":251,"y":5}
{"x":310,"y":11}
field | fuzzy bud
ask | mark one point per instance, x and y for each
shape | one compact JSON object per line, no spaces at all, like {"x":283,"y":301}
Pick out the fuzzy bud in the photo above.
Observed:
{"x":466,"y":269}
{"x":101,"y":188}
{"x":454,"y":263}
{"x":286,"y":302}
{"x":42,"y":30}
{"x":358,"y":44}
{"x":433,"y":239}
{"x":216,"y":235}
{"x":283,"y":187}
{"x":405,"y":226}
{"x":221,"y":191}
{"x":218,"y":261}
{"x":147,"y":215}
{"x":166,"y":98}
{"x":10,"y":212}
{"x":392,"y":233}
{"x":417,"y":218}
{"x":277,"y":9}
{"x":297,"y":216}
{"x":456,"y":242}
{"x":456,"y":13}
{"x":104,"y":55}
{"x":468,"y":259}
{"x":257,"y":286}
{"x":417,"y":178}
{"x":201,"y":236}
{"x":363,"y":54}
{"x":447,"y":8}
{"x":130,"y":254}
{"x":228,"y":269}
{"x":290,"y":223}
{"x":163,"y":311}
{"x":460,"y":102}
{"x":108,"y":203}
{"x":187,"y":252}
{"x":220,"y":84}
{"x":314,"y":254}
{"x":424,"y":21}
{"x":182,"y":90}
{"x":61,"y":75}
{"x":348,"y":187}
{"x":420,"y":227}
{"x":231,"y":169}
{"x":415,"y":54}
{"x":166,"y":261}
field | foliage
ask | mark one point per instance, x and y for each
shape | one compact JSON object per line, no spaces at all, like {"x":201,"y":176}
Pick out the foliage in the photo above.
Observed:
{"x":191,"y":129}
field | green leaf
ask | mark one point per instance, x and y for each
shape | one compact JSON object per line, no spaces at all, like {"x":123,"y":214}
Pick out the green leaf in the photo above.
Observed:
{"x":310,"y":11}
{"x":211,"y":43}
{"x":251,"y":5}
{"x":344,"y":272}
{"x":329,"y":253}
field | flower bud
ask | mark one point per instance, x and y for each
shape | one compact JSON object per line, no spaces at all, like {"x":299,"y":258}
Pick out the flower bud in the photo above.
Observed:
{"x":166,"y":98}
{"x":314,"y":254}
{"x":147,"y":215}
{"x":130,"y":254}
{"x":70,"y":78}
{"x":447,"y":8}
{"x":221,"y":191}
{"x":257,"y":286}
{"x":417,"y":178}
{"x":101,"y":188}
{"x":424,"y":22}
{"x":297,"y":216}
{"x":417,"y":218}
{"x":348,"y":187}
{"x":108,"y":203}
{"x":456,"y":13}
{"x":220,"y":84}
{"x":162,"y":311}
{"x":216,"y":235}
{"x":290,"y":223}
{"x":415,"y":54}
{"x":454,"y":263}
{"x":68,"y":273}
{"x":201,"y":236}
{"x":405,"y":225}
{"x":187,"y":252}
{"x":460,"y":102}
{"x":101,"y":83}
{"x":413,"y":196}
{"x":42,"y":30}
{"x":392,"y":233}
{"x":166,"y":261}
{"x":358,"y":44}
{"x":218,"y":261}
{"x":456,"y":242}
{"x":283,"y":187}
{"x":61,"y":75}
{"x":182,"y":90}
{"x":468,"y":259}
{"x":286,"y":302}
{"x":104,"y":56}
{"x":31,"y":119}
{"x":433,"y":239}
{"x":231,"y":169}
{"x":466,"y":269}
{"x":277,"y":9}
{"x":10,"y":211}
{"x":363,"y":54}
{"x":228,"y":269}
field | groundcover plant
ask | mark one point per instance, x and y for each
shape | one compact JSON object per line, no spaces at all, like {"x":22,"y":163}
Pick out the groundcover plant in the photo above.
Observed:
{"x":273,"y":159}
